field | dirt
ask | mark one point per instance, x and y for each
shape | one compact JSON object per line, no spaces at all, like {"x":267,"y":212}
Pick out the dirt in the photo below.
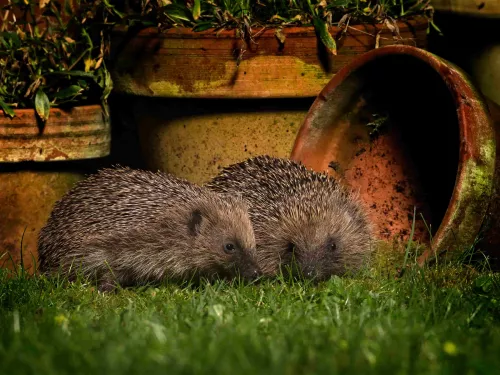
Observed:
{"x":386,"y":178}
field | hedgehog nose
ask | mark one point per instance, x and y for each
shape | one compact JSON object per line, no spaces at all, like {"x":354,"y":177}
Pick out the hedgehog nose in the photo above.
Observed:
{"x":255,"y":274}
{"x":309,"y":272}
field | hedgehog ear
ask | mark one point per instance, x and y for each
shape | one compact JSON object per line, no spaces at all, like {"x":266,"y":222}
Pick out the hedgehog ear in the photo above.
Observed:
{"x":194,"y":224}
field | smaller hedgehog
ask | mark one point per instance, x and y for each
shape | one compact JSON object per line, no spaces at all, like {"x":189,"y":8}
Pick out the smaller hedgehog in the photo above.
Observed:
{"x":300,"y":215}
{"x":132,"y":226}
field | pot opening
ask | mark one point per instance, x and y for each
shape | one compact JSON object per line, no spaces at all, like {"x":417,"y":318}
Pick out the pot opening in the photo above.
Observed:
{"x":390,"y":131}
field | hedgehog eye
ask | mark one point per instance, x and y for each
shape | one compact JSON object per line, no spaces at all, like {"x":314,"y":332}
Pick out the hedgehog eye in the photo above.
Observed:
{"x":290,"y":248}
{"x":332,"y":246}
{"x":229,"y":248}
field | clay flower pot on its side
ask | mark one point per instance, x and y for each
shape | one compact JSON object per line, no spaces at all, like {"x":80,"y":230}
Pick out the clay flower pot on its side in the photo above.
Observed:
{"x":38,"y":165}
{"x":407,"y":128}
{"x":196,"y":110}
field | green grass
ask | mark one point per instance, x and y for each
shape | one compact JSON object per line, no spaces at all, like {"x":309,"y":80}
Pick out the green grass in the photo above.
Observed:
{"x":442,"y":320}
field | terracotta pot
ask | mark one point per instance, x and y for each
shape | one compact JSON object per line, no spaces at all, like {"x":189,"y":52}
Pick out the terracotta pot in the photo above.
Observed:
{"x":472,"y":41}
{"x":190,"y":134}
{"x":485,"y":68}
{"x":490,"y":8}
{"x":435,"y":151}
{"x":37,"y":166}
{"x":183,"y":63}
{"x":195,"y":138}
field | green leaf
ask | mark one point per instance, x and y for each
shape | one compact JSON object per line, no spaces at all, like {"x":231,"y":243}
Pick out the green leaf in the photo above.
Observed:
{"x":5,"y":44}
{"x":82,"y":83}
{"x":42,"y":105}
{"x":117,"y":12}
{"x":435,"y":27}
{"x":108,"y":85}
{"x":67,"y":7}
{"x":76,"y":73}
{"x":178,"y":12}
{"x":325,"y":36}
{"x":196,"y":9}
{"x":340,"y":3}
{"x":69,"y":92}
{"x":202,"y":26}
{"x":7,"y":109}
{"x":13,"y":38}
{"x":178,"y":16}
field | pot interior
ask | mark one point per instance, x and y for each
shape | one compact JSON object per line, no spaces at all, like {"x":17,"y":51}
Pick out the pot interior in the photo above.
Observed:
{"x":390,"y":131}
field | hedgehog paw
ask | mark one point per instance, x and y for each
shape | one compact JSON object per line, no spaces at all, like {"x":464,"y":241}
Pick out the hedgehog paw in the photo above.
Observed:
{"x":107,"y":284}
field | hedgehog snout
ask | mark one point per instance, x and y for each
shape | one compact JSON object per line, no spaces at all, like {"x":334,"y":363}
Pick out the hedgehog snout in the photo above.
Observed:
{"x":248,"y":268}
{"x":255,"y":274}
{"x":309,"y":271}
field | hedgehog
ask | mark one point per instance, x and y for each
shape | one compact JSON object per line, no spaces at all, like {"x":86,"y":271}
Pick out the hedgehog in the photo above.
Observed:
{"x":128,"y":227}
{"x":300,"y":217}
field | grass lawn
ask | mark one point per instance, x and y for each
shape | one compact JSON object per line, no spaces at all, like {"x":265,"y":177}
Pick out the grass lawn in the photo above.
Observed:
{"x":445,"y":319}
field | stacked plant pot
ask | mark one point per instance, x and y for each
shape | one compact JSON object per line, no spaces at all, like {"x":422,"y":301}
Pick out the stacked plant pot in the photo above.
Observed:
{"x":203,"y":100}
{"x":39,"y":163}
{"x":472,"y":40}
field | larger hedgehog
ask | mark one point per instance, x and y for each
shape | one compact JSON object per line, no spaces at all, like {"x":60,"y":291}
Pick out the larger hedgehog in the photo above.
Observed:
{"x":299,"y":214}
{"x":132,"y":226}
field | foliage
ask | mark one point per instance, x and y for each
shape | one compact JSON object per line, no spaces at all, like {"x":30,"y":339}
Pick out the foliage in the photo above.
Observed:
{"x":53,"y":53}
{"x":204,"y":14}
{"x":244,"y":15}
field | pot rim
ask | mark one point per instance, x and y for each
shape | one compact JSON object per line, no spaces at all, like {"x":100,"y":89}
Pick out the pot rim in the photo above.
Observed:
{"x":76,"y":133}
{"x":477,"y":149}
{"x":27,"y":111}
{"x":152,"y":31}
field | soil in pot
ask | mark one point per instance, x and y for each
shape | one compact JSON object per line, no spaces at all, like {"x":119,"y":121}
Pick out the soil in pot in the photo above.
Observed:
{"x":396,"y":152}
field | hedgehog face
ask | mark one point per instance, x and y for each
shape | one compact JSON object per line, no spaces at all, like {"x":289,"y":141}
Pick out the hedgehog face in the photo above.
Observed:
{"x":317,"y":239}
{"x":313,"y":259}
{"x":225,"y":240}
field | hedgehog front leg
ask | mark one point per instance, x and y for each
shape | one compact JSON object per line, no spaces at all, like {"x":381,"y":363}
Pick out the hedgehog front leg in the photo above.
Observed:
{"x":107,"y":282}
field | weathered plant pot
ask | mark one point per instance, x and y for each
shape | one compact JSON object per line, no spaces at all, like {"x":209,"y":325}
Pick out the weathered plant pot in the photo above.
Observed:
{"x":471,"y":40}
{"x":478,"y":8}
{"x":435,"y":151}
{"x":486,"y":70}
{"x":191,"y":134}
{"x":38,"y":165}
